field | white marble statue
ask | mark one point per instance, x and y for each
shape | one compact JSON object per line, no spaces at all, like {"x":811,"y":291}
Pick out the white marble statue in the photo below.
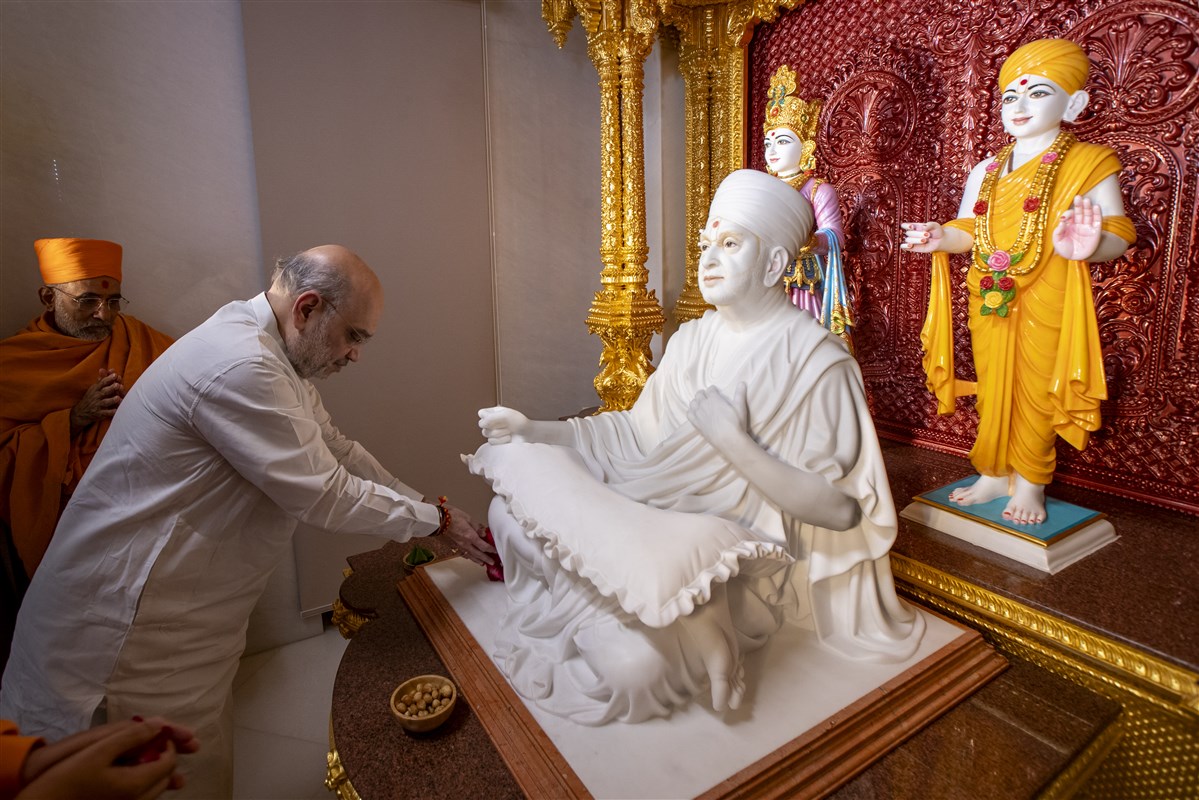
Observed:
{"x":647,"y":551}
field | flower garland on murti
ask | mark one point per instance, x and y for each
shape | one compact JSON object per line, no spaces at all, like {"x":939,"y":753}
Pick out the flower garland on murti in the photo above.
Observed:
{"x":998,"y":289}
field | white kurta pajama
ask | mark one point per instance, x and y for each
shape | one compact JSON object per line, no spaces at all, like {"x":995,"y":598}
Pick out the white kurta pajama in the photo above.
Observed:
{"x":143,"y":598}
{"x":614,"y":544}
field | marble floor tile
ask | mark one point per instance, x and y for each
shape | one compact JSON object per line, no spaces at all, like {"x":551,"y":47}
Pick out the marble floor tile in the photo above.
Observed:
{"x":281,"y":719}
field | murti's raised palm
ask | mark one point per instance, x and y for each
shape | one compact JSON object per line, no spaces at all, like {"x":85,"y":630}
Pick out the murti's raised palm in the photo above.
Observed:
{"x":1078,"y":233}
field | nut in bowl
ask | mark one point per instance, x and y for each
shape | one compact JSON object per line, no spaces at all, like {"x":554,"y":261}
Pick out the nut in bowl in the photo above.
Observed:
{"x":424,"y":702}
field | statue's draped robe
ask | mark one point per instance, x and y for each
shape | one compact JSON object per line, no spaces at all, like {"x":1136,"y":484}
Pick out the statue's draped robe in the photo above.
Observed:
{"x":45,"y":374}
{"x":1040,"y":368}
{"x":621,"y":540}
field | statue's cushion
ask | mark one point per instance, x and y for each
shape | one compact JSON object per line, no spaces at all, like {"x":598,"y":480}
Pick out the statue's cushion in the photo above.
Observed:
{"x":659,"y":565}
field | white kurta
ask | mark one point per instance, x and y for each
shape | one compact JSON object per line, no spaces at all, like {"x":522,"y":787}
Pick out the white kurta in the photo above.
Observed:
{"x":143,"y":598}
{"x":594,"y":575}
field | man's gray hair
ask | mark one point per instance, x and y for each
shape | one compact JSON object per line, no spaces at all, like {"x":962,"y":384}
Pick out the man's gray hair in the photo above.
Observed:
{"x":302,"y":273}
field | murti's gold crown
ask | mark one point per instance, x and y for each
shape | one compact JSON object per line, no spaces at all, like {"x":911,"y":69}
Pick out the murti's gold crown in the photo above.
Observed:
{"x":785,"y":110}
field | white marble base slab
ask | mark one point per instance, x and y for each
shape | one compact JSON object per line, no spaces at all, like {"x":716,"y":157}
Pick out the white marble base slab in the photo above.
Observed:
{"x":794,"y":684}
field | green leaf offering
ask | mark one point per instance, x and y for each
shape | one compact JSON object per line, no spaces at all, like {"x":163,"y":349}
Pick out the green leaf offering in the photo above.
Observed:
{"x":419,"y":555}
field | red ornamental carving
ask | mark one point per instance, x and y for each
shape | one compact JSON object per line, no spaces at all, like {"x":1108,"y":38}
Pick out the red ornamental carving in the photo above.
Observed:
{"x":906,"y":117}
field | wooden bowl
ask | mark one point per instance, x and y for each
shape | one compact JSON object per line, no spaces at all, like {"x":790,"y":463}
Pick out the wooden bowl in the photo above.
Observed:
{"x":410,"y":719}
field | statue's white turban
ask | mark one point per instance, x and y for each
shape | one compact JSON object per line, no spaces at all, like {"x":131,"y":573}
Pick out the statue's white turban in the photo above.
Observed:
{"x":765,"y":206}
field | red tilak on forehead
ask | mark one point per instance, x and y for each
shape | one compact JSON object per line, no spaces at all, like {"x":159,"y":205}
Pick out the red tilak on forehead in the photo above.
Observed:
{"x":103,"y":284}
{"x":715,"y":223}
{"x":1023,"y":81}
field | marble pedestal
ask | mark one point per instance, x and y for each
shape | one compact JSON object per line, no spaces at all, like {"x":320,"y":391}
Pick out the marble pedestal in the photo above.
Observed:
{"x":809,"y":723}
{"x":1069,"y":533}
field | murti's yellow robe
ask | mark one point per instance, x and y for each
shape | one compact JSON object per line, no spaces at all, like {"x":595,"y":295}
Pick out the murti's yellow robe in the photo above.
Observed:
{"x":1040,"y":368}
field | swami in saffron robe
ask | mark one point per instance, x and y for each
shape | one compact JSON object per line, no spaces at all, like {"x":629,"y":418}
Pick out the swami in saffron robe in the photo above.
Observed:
{"x":45,"y":374}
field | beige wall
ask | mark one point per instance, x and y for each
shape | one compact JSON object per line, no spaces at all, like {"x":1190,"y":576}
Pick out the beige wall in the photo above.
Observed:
{"x":543,"y":104}
{"x":128,"y":121}
{"x":665,"y":182}
{"x":369,"y":130}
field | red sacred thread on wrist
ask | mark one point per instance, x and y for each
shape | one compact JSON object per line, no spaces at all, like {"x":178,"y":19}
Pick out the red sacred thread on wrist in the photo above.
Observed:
{"x":444,"y":513}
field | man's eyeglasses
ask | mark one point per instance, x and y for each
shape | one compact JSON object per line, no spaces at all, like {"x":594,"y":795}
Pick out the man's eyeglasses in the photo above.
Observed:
{"x":357,"y":337}
{"x":90,"y":303}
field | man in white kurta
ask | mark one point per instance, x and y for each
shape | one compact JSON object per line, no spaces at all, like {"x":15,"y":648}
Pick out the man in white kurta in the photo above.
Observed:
{"x":646,"y":551}
{"x":141,"y":603}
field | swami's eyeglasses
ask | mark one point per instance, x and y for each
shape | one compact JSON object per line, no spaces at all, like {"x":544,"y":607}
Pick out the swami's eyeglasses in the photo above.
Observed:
{"x":91,"y":303}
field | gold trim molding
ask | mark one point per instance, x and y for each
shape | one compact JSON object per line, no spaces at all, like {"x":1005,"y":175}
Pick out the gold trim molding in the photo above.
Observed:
{"x":336,"y":779}
{"x":1157,"y":755}
{"x":1125,"y":667}
{"x":347,"y":620}
{"x":1075,"y":776}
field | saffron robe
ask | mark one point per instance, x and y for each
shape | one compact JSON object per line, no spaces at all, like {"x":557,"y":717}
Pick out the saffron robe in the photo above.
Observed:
{"x":45,"y":374}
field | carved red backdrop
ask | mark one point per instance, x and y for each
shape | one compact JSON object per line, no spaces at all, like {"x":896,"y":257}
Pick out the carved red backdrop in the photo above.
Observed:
{"x":911,"y":105}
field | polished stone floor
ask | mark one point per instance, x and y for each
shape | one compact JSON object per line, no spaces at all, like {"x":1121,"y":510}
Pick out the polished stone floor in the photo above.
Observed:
{"x":281,"y":719}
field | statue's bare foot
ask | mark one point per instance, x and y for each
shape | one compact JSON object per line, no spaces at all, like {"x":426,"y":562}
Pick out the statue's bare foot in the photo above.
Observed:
{"x":711,"y":628}
{"x":983,"y":490}
{"x":727,"y":691}
{"x":1027,"y":506}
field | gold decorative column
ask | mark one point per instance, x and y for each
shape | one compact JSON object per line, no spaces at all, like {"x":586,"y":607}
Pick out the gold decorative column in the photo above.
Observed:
{"x":625,"y":315}
{"x":713,"y":38}
{"x":696,"y":34}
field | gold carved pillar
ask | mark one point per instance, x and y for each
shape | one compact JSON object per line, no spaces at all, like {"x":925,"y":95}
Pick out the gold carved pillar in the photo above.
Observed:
{"x":696,"y":32}
{"x":625,"y":315}
{"x":620,"y":34}
{"x":713,"y":41}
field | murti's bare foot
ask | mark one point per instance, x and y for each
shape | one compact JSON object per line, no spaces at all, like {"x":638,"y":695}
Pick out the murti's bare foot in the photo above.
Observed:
{"x":983,"y":490}
{"x":1027,"y":506}
{"x":707,"y":626}
{"x":727,"y":691}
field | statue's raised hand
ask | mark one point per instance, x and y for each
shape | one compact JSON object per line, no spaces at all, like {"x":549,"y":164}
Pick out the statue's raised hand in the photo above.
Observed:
{"x":501,"y":425}
{"x":921,"y":237}
{"x":717,"y":418}
{"x":1078,"y":233}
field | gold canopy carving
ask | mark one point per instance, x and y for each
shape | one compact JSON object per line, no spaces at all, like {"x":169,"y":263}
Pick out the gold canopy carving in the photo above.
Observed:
{"x":712,"y":55}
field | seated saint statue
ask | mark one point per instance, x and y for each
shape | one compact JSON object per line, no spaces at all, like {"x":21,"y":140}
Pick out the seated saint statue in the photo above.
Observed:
{"x":815,"y":279}
{"x":1032,"y":217}
{"x":647,"y":551}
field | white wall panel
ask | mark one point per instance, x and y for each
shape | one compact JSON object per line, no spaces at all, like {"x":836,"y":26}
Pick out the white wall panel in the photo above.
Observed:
{"x":128,"y":121}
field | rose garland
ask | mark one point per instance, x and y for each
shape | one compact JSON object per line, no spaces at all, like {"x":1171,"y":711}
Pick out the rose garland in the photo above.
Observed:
{"x":998,"y":289}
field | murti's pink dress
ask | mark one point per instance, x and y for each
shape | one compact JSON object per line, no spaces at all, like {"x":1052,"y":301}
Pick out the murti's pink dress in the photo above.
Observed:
{"x":817,"y":283}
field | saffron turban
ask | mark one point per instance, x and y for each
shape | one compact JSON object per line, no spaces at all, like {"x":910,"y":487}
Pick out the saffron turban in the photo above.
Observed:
{"x":67,"y":260}
{"x":1059,"y":60}
{"x":765,"y":206}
